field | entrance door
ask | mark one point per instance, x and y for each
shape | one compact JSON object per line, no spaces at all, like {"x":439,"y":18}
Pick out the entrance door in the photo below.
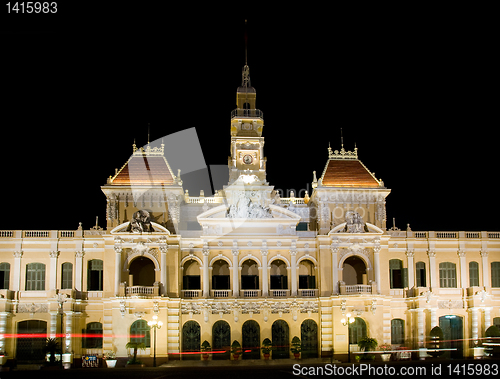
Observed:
{"x":31,"y":339}
{"x":280,"y":340}
{"x":309,"y":338}
{"x":251,"y":340}
{"x":453,"y":334}
{"x":191,"y":340}
{"x":221,"y":340}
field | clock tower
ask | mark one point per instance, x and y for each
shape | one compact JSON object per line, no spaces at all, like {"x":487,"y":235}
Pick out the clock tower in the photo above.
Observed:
{"x":247,"y":144}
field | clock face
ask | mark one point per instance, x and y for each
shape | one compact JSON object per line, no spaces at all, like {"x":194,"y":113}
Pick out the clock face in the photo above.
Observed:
{"x":247,"y":159}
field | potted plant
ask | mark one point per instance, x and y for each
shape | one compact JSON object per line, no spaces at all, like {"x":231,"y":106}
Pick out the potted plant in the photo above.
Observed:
{"x":267,"y":346}
{"x":236,"y":350}
{"x":205,"y":348}
{"x":51,"y":346}
{"x":385,"y":356}
{"x":135,"y":346}
{"x":3,"y":358}
{"x":110,"y":358}
{"x":296,"y":347}
{"x":368,"y":344}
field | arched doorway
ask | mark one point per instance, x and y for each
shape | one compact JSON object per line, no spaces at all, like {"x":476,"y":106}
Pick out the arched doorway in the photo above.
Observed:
{"x":191,"y":341}
{"x":220,"y":275}
{"x":281,"y":340}
{"x":357,"y":331}
{"x":278,"y":274}
{"x":31,"y":348}
{"x":250,"y":332}
{"x":142,"y":272}
{"x":453,"y":334}
{"x":221,"y":340}
{"x":309,"y":339}
{"x":354,"y":271}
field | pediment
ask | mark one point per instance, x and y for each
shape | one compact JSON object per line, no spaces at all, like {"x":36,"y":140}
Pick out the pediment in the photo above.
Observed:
{"x":276,"y":212}
{"x":341,"y":227}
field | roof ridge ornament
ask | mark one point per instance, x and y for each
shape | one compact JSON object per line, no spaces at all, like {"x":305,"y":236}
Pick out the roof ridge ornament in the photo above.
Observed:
{"x":150,"y":151}
{"x":343,"y":153}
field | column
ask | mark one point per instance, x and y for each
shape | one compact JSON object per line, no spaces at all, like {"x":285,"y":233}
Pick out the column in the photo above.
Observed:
{"x":163,"y":267}
{"x":487,"y":318}
{"x":53,"y":323}
{"x":335,"y":270}
{"x":376,"y":263}
{"x":78,"y":270}
{"x":265,"y":284}
{"x":420,"y":327}
{"x":434,"y":319}
{"x":3,"y":328}
{"x":236,"y":272}
{"x":68,"y":331}
{"x":486,"y":269}
{"x":432,"y":270}
{"x":411,"y":275}
{"x":463,"y":270}
{"x":475,"y":324}
{"x":293,"y":258}
{"x":16,"y":285}
{"x":53,"y":270}
{"x":206,"y":284}
{"x":118,"y":271}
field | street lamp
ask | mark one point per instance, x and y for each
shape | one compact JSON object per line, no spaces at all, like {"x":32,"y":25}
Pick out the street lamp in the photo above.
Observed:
{"x":155,"y":324}
{"x":348,"y":323}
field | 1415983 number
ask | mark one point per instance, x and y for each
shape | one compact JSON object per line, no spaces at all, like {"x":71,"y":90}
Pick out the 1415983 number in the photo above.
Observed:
{"x":32,"y":7}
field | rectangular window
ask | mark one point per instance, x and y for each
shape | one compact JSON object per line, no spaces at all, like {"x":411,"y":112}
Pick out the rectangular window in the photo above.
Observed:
{"x":307,"y":282}
{"x":473,"y":274}
{"x":420,"y":273}
{"x":191,"y":282}
{"x":447,"y":275}
{"x":4,"y":275}
{"x":35,"y":277}
{"x":495,"y":274}
{"x":95,"y":275}
{"x":67,"y":276}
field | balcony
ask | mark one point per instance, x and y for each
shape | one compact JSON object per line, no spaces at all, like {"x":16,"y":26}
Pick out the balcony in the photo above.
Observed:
{"x":249,"y":293}
{"x":356,"y":289}
{"x":191,"y":294}
{"x":279,"y":293}
{"x":247,"y":113}
{"x":220,"y":294}
{"x":308,"y":293}
{"x":147,"y":291}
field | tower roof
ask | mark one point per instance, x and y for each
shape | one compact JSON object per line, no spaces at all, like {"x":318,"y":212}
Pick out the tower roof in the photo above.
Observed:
{"x":344,"y":169}
{"x":146,"y":167}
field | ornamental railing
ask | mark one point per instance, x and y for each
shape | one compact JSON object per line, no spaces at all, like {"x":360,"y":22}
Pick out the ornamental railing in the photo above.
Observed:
{"x":247,"y":113}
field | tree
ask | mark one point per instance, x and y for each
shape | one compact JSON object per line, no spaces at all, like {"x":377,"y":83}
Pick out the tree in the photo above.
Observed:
{"x":51,"y":346}
{"x":135,"y":346}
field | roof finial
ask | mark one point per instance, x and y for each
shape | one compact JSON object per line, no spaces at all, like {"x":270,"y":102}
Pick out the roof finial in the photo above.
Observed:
{"x":246,"y":44}
{"x":341,"y":139}
{"x":148,"y":133}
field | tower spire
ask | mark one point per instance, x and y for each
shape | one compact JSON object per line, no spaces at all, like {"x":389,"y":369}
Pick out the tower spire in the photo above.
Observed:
{"x":246,"y":44}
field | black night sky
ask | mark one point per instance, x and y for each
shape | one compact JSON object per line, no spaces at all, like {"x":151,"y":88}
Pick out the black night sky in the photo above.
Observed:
{"x":413,"y":90}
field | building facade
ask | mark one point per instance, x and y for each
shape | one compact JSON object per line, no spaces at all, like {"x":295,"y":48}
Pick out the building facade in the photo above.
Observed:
{"x":245,"y":265}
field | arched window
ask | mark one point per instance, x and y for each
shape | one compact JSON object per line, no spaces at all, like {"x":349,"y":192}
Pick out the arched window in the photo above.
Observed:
{"x":92,"y":336}
{"x":447,"y":275}
{"x":397,"y":331}
{"x":35,"y":277}
{"x":495,"y":274}
{"x":420,"y":274}
{"x":191,"y":276}
{"x":4,"y":275}
{"x":95,"y":275}
{"x":357,"y":331}
{"x":249,"y":275}
{"x":307,"y":279}
{"x":473,"y":274}
{"x":220,"y":275}
{"x":279,"y":279}
{"x":398,"y":274}
{"x":139,"y":332}
{"x":67,"y":276}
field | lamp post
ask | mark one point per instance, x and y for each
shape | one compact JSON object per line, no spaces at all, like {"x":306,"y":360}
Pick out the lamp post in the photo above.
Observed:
{"x":155,"y":324}
{"x":348,"y":323}
{"x":61,"y":299}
